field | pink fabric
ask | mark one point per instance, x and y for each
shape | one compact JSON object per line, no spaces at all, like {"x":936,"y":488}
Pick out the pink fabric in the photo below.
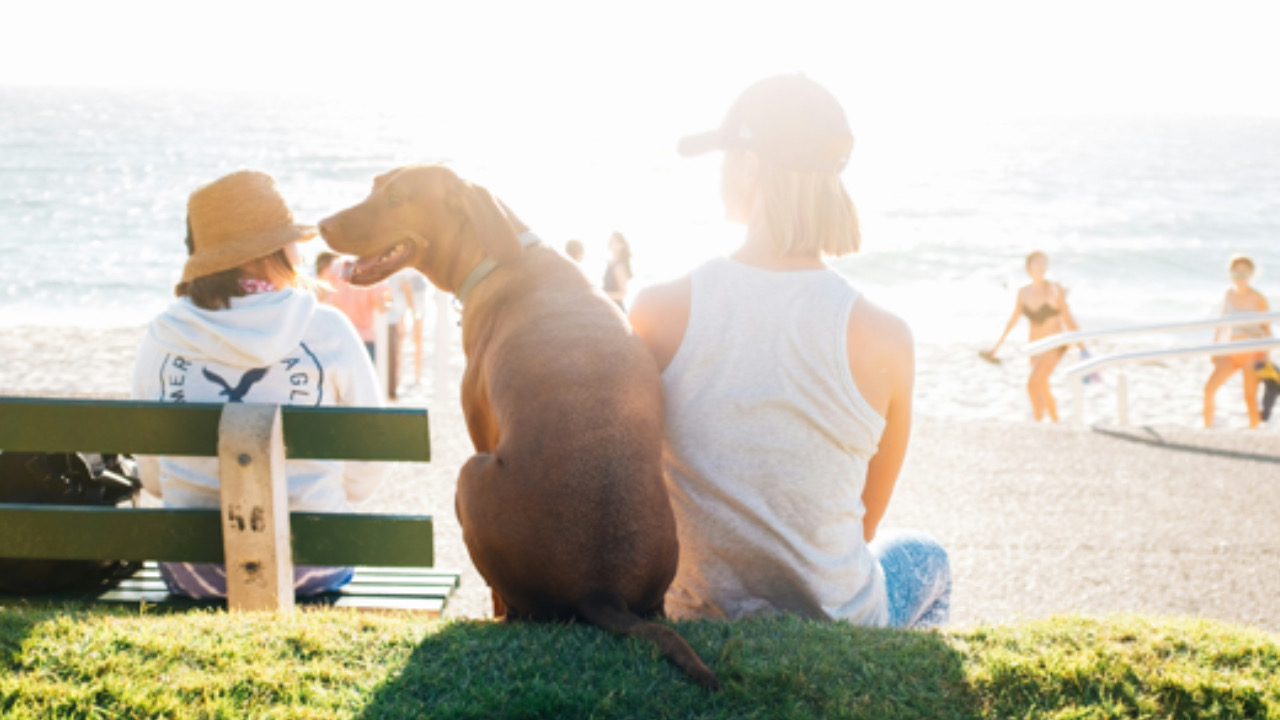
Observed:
{"x":358,"y":304}
{"x":253,"y":286}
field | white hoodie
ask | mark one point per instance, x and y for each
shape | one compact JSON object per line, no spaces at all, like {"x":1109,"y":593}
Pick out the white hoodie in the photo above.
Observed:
{"x":280,"y":347}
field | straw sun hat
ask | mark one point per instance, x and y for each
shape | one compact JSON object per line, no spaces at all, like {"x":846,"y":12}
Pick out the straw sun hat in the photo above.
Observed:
{"x":238,"y":219}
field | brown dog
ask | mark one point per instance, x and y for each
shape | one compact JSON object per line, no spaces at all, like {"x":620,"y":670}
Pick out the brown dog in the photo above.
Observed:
{"x":563,"y":508}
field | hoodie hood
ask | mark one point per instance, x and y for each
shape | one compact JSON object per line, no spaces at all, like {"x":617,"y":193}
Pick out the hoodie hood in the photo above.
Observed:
{"x":256,"y":330}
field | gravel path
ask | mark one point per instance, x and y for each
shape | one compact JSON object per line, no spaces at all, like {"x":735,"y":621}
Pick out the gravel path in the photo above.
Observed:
{"x":1041,"y":520}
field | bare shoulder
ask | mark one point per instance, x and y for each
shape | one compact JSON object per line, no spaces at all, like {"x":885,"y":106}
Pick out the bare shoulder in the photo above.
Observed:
{"x":887,"y":331}
{"x":1260,"y":299}
{"x":881,"y":351}
{"x":660,"y":315}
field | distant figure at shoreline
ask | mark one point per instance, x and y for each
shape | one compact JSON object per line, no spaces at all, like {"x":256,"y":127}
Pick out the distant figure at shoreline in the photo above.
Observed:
{"x":358,"y":304}
{"x":618,"y":273}
{"x":788,"y":392}
{"x":1240,"y":298}
{"x":575,"y":251}
{"x":1044,"y":302}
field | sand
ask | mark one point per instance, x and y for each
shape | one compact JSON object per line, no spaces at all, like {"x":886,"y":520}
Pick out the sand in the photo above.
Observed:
{"x":1159,"y":517}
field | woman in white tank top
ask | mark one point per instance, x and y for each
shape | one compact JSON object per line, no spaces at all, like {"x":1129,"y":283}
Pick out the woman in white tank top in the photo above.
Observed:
{"x":788,"y":394}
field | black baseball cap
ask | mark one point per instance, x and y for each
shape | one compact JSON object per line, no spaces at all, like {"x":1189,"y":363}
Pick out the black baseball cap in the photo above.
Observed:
{"x":788,"y":121}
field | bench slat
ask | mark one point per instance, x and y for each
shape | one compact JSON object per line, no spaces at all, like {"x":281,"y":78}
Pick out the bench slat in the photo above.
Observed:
{"x":154,"y":428}
{"x":364,"y":574}
{"x":58,"y":532}
{"x":355,"y":587}
{"x":423,"y":591}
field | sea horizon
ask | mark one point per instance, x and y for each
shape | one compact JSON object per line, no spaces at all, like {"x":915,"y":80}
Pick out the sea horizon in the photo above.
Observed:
{"x":1138,"y":213}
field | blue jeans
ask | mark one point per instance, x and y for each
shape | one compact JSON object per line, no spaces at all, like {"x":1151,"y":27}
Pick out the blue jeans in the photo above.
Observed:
{"x":917,"y":576}
{"x":204,"y":581}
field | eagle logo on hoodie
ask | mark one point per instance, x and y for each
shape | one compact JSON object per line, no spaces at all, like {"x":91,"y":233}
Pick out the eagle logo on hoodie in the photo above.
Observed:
{"x":247,"y":381}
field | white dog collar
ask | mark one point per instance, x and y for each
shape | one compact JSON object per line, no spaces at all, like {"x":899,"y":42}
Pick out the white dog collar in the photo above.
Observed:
{"x":486,"y":266}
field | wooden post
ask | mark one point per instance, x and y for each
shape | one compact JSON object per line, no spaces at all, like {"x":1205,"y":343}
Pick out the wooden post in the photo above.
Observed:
{"x":443,"y":318}
{"x":255,"y":508}
{"x":382,"y":350}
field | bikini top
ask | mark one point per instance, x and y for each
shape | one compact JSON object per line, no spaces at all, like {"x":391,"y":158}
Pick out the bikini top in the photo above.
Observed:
{"x":1041,"y":314}
{"x":1242,"y":331}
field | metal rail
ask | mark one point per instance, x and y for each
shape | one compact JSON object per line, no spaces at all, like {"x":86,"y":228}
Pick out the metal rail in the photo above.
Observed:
{"x":1071,"y":338}
{"x":1077,"y":374}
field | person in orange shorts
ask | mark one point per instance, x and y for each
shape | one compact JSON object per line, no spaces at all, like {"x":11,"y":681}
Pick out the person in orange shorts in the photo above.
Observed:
{"x":1240,"y":298}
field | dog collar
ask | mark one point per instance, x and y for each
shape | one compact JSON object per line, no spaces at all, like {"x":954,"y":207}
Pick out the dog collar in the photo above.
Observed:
{"x":486,"y":266}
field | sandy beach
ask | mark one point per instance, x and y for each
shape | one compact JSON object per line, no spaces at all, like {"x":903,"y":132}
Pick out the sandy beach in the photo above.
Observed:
{"x":1159,"y":517}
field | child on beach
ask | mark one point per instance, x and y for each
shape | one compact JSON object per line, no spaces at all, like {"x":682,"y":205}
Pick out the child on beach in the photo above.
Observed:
{"x":788,"y":393}
{"x":1240,"y":298}
{"x":1045,"y":304}
{"x":243,"y":331}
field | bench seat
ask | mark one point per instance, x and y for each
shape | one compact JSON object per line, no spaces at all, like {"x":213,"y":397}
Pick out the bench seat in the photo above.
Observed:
{"x":389,"y":589}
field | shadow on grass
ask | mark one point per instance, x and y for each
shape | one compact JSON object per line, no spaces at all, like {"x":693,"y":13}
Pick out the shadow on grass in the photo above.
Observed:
{"x":1150,"y":437}
{"x":15,"y":625}
{"x":783,"y":667}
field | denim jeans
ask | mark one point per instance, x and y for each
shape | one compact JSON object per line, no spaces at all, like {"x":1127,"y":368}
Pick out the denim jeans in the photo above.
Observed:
{"x":917,"y":578}
{"x":204,"y":581}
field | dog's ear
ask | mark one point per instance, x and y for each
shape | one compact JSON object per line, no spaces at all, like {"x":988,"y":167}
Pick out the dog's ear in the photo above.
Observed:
{"x":493,"y":231}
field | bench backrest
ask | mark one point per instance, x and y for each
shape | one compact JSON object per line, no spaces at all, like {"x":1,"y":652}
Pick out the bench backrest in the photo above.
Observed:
{"x":155,"y":428}
{"x":251,"y":442}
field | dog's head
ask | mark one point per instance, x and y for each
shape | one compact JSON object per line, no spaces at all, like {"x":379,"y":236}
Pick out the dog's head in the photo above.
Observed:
{"x":426,"y":217}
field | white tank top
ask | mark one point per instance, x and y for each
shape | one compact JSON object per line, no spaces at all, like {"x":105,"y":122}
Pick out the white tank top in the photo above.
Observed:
{"x":768,"y":441}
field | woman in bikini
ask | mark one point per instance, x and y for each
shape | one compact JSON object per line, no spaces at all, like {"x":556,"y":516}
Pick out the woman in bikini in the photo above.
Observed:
{"x":1240,"y":298}
{"x":1045,"y":304}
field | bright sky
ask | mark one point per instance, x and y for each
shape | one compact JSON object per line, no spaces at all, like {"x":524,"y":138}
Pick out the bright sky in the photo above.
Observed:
{"x":639,"y":60}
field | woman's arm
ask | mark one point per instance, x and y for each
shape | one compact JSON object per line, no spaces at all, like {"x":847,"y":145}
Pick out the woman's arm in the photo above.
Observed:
{"x":144,"y":370}
{"x":1217,"y":332}
{"x":1068,"y":320}
{"x":1264,"y":307}
{"x":659,"y":317}
{"x":881,"y":354}
{"x":1013,"y":320}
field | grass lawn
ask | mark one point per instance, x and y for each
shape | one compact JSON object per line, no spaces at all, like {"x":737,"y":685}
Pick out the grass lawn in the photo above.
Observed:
{"x":109,"y":664}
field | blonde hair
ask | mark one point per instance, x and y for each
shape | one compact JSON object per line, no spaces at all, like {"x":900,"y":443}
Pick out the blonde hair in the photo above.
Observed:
{"x":1031,"y":256}
{"x":807,"y":212}
{"x":1238,"y":259}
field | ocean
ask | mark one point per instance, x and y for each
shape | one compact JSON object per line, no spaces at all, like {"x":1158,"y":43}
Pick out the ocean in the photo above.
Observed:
{"x":1137,"y":213}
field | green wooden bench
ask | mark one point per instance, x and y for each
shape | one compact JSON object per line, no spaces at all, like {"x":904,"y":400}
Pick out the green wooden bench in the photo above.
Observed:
{"x":253,"y":534}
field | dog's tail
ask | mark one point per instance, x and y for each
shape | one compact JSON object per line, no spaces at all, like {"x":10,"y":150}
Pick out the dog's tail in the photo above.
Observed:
{"x":606,"y":609}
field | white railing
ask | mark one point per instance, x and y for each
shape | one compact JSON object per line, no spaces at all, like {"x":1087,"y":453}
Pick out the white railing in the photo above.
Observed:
{"x":1071,"y":338}
{"x":1077,"y":374}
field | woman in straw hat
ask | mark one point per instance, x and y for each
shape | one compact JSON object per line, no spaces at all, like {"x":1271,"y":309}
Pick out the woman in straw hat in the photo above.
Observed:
{"x":243,"y":331}
{"x":788,"y":392}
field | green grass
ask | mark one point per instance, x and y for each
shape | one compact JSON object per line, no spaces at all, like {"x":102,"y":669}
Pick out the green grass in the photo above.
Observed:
{"x":97,"y":663}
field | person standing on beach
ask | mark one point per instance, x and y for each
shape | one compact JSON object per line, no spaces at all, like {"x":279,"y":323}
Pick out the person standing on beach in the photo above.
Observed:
{"x":618,"y":273}
{"x":1240,"y":298}
{"x":788,"y":392}
{"x":575,"y":251}
{"x":360,"y":305}
{"x":242,"y":330}
{"x":1044,"y":302}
